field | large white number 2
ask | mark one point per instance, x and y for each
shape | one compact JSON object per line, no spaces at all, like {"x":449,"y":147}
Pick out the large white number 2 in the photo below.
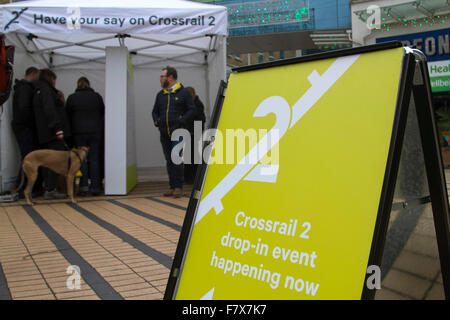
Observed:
{"x":306,"y":225}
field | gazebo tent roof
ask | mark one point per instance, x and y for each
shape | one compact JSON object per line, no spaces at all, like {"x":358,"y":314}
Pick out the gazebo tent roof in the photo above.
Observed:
{"x":76,"y":32}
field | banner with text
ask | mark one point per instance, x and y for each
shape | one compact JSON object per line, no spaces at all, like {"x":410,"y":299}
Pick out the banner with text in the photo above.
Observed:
{"x":115,"y":20}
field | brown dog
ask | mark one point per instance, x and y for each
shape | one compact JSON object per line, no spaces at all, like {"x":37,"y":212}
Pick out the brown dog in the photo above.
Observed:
{"x":57,"y":161}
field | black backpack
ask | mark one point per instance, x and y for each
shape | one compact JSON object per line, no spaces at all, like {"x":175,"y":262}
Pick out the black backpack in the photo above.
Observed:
{"x":6,"y":70}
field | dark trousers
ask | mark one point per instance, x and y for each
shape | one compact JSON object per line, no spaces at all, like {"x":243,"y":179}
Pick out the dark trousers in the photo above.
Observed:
{"x":27,"y":141}
{"x":190,"y":167}
{"x":175,"y":171}
{"x":50,"y":176}
{"x":91,"y":169}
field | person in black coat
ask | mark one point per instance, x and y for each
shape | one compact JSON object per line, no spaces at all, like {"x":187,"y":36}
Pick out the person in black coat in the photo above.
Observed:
{"x":86,"y":112}
{"x":23,"y":123}
{"x":199,"y":115}
{"x":51,"y":124}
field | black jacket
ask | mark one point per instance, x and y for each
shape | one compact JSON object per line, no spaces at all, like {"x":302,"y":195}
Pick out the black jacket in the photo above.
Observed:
{"x":173,"y":110}
{"x":86,"y":112}
{"x":49,"y":113}
{"x":23,"y":115}
{"x":198,"y":116}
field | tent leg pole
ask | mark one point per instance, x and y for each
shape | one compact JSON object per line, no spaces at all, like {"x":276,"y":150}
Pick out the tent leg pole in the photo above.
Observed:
{"x":116,"y":121}
{"x":207,"y":88}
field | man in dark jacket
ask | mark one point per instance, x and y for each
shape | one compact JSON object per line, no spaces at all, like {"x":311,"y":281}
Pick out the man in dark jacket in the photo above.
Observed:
{"x":173,"y":109}
{"x":191,"y":169}
{"x":23,"y":123}
{"x":86,"y":112}
{"x":51,"y":124}
{"x":23,"y":117}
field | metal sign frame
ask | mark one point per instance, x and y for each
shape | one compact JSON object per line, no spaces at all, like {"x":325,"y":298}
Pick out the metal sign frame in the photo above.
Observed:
{"x":413,"y":62}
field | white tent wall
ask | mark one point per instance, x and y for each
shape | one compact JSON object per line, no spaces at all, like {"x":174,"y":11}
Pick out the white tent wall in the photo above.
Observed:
{"x":67,"y":80}
{"x":148,"y":148}
{"x":146,"y":86}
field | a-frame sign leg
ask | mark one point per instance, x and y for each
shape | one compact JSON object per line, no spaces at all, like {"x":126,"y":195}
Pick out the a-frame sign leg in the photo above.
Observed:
{"x":392,"y":168}
{"x":416,"y":89}
{"x":434,"y":165}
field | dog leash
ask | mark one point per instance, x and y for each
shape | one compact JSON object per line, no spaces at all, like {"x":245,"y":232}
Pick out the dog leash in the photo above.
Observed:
{"x":65,"y":144}
{"x":71,"y":150}
{"x":69,"y":159}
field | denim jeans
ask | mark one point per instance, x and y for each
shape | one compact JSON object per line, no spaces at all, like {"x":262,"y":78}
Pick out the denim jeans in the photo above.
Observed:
{"x":90,"y":169}
{"x":175,"y":171}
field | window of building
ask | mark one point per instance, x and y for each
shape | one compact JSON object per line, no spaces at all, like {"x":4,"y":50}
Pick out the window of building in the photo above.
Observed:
{"x":260,"y":57}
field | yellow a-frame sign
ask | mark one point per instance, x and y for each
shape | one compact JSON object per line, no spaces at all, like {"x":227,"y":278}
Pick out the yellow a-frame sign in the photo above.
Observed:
{"x":303,"y":212}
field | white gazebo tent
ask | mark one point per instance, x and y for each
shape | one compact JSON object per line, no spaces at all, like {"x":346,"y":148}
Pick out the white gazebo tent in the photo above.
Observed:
{"x":121,"y":46}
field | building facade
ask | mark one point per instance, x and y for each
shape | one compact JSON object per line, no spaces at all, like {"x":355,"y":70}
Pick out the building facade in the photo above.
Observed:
{"x":267,"y":30}
{"x":421,"y":24}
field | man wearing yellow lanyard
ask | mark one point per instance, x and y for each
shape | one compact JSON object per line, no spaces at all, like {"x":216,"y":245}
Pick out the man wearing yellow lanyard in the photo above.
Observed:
{"x":173,"y":109}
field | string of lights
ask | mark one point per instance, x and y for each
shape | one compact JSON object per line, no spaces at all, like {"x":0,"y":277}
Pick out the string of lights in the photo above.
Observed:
{"x":417,"y":23}
{"x":409,"y":23}
{"x":267,"y":12}
{"x":412,"y":15}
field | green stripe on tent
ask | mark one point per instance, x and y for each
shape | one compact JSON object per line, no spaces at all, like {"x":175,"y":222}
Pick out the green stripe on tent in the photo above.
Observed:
{"x":131,"y":177}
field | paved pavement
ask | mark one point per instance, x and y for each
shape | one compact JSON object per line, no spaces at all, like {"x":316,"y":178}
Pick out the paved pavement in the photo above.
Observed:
{"x":124,"y":247}
{"x":411,"y":267}
{"x":414,"y":270}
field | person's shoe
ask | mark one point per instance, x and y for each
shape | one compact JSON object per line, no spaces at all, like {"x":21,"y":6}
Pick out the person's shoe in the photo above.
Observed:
{"x":177,"y":193}
{"x":37,"y":193}
{"x":83,"y":191}
{"x":51,"y":195}
{"x":168,"y":193}
{"x":95,"y":192}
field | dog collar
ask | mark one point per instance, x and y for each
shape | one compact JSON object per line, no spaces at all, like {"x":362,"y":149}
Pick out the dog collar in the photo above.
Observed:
{"x":76,"y":153}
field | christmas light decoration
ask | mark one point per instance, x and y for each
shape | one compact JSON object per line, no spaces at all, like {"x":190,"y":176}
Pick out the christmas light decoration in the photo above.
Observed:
{"x":416,"y":23}
{"x":268,"y":12}
{"x":412,"y":15}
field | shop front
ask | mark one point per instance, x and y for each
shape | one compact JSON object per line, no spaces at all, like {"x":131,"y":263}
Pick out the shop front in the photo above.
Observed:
{"x":423,"y":25}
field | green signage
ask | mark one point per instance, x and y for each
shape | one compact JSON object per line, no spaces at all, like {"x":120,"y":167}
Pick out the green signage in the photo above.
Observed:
{"x":439,"y":72}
